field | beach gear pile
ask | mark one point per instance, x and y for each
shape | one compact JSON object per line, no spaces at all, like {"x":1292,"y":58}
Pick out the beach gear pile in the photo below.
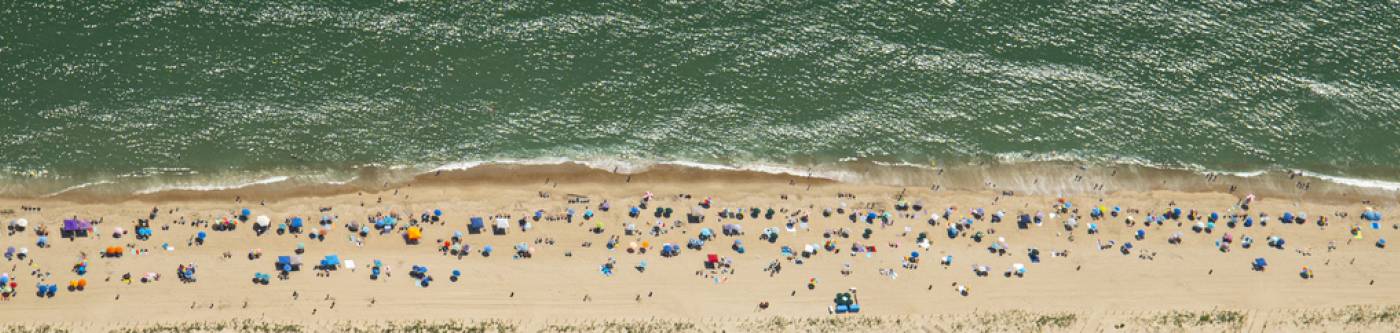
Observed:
{"x":420,"y":274}
{"x":845,"y":303}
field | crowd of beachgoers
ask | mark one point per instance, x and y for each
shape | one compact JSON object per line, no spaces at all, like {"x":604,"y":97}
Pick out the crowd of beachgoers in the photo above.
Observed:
{"x":780,"y":251}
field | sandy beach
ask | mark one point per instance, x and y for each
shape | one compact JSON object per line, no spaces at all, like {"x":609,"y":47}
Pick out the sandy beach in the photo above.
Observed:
{"x":1083,"y":282}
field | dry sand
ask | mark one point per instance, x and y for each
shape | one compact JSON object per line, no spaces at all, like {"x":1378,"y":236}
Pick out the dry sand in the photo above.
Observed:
{"x":1190,"y":286}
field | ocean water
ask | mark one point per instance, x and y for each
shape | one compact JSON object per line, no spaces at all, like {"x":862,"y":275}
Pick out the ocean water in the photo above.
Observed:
{"x":218,"y":94}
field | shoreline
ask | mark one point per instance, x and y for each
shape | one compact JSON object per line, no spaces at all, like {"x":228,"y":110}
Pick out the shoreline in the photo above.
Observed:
{"x":1040,"y":178}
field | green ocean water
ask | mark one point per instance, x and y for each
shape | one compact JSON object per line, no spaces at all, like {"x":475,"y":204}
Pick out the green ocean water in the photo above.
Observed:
{"x":91,"y":90}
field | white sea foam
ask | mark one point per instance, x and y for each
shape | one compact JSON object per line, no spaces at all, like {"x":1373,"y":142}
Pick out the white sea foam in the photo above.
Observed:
{"x":212,"y":187}
{"x":78,"y":187}
{"x":1357,"y":182}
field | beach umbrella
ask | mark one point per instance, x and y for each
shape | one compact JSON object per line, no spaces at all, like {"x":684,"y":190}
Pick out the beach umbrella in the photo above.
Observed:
{"x":914,"y":254}
{"x":1371,"y":215}
{"x":263,"y":220}
{"x":437,"y":212}
{"x":246,"y":212}
{"x":201,"y":235}
{"x":22,"y":223}
{"x":296,"y":222}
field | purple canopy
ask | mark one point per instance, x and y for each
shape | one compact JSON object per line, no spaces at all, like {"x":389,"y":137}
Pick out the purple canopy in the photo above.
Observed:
{"x":76,"y":225}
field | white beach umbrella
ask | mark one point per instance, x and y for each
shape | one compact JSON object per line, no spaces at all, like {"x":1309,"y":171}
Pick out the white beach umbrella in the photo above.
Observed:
{"x":22,"y":223}
{"x":263,"y":220}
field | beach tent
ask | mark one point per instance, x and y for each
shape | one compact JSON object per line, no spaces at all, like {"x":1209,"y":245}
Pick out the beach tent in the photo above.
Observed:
{"x":288,"y":263}
{"x":697,"y":215}
{"x":733,"y":229}
{"x":75,"y":228}
{"x":502,"y":224}
{"x":1260,"y":264}
{"x":330,"y":262}
{"x":476,"y":225}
